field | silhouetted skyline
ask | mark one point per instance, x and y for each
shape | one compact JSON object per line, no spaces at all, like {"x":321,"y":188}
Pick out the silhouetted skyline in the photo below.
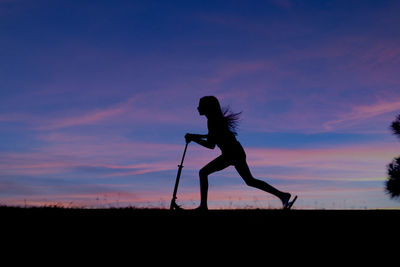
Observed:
{"x":95,"y":99}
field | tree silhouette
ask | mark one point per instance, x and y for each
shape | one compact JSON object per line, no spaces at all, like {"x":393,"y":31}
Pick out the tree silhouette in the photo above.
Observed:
{"x":396,"y":126}
{"x":393,"y":169}
{"x":393,"y":182}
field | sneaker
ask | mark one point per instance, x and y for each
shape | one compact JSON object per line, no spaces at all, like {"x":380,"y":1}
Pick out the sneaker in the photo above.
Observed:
{"x":289,"y":204}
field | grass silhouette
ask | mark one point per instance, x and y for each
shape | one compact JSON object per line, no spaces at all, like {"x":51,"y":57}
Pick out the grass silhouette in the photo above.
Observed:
{"x":145,"y":235}
{"x":152,"y":219}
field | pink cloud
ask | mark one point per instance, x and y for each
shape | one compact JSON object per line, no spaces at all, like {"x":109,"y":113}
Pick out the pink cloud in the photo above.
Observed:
{"x":358,"y":162}
{"x":89,"y":117}
{"x":116,"y":156}
{"x":151,"y":107}
{"x":360,"y":114}
{"x":379,"y":53}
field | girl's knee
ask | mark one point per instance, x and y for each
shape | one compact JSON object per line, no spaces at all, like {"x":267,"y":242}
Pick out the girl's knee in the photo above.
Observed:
{"x":250,"y":181}
{"x":203,"y":173}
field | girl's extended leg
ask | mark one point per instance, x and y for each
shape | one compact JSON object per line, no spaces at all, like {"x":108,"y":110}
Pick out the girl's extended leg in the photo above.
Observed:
{"x":217,"y":164}
{"x":244,"y":172}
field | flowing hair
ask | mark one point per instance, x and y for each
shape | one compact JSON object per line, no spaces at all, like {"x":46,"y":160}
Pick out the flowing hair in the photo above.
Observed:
{"x":231,"y":119}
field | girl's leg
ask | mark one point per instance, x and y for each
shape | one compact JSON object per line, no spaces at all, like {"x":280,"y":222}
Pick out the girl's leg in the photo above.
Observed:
{"x":244,"y":172}
{"x":217,"y":164}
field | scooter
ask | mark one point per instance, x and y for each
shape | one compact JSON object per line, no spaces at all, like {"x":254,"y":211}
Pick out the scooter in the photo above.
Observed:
{"x":173,"y":205}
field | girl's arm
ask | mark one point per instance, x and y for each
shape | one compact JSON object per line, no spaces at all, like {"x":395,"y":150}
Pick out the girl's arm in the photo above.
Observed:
{"x":201,"y":139}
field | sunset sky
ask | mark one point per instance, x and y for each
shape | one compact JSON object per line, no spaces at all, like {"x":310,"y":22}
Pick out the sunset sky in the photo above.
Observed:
{"x":96,"y":97}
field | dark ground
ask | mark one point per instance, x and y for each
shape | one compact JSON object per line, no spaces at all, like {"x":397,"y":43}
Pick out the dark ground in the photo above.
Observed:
{"x":133,"y":233}
{"x":230,"y":222}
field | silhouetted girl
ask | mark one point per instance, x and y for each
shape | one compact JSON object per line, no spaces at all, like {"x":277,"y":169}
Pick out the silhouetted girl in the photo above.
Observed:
{"x":221,"y":132}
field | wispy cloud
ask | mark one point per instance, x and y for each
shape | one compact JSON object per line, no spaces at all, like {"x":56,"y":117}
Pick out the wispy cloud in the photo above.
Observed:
{"x":98,"y":155}
{"x":360,"y":114}
{"x":148,"y":108}
{"x":357,"y":162}
{"x":89,"y":117}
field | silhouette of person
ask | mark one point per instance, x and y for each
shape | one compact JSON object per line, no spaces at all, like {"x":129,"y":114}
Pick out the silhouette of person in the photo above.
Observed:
{"x":222,"y":133}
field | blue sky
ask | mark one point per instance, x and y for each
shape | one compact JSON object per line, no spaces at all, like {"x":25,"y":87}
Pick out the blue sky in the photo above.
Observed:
{"x":96,"y":96}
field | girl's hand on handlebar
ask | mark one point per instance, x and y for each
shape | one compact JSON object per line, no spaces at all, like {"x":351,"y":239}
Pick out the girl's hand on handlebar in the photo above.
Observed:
{"x":189,"y":137}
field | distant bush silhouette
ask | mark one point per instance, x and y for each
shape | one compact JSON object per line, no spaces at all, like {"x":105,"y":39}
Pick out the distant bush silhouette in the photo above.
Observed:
{"x":393,"y":169}
{"x":393,"y":182}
